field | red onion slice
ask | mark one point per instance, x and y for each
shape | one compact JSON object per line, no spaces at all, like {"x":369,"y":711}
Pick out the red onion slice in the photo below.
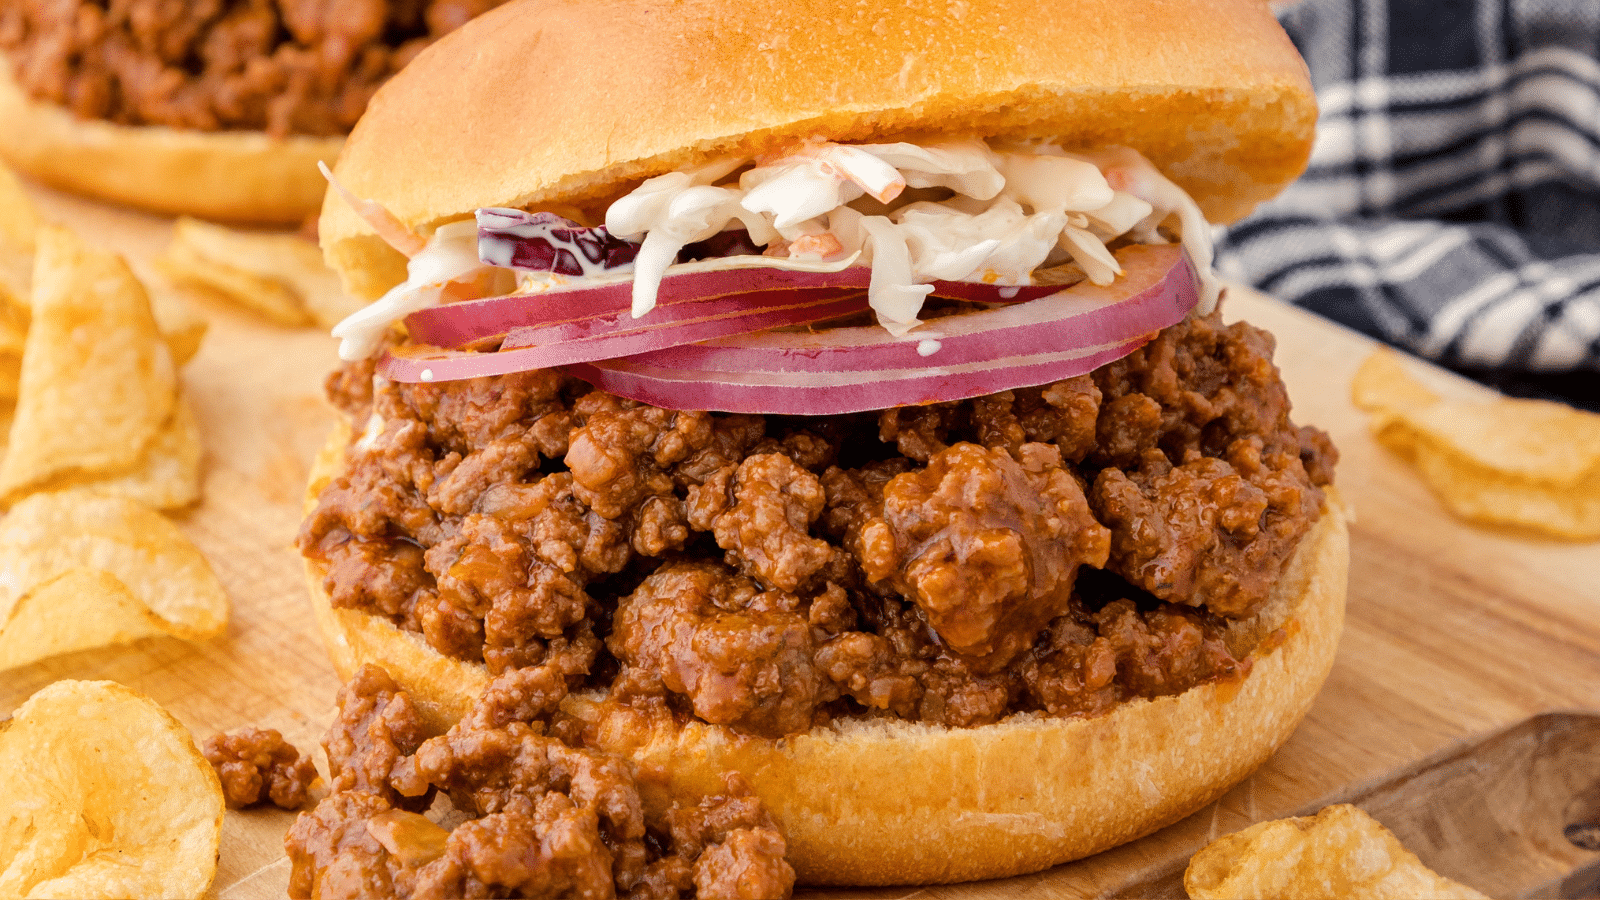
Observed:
{"x":819,"y":394}
{"x":589,"y":340}
{"x":459,"y":324}
{"x":854,"y":369}
{"x":1083,"y":315}
{"x":774,"y":304}
{"x":979,"y":292}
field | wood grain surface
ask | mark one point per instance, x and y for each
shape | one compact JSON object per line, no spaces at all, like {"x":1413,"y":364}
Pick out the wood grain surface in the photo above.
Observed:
{"x":1452,"y":630}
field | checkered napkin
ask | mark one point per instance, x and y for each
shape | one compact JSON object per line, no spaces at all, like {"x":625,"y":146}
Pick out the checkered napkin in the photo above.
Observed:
{"x":1452,"y":204}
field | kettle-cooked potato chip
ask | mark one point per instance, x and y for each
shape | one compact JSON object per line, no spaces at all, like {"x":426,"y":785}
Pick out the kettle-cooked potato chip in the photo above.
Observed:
{"x":186,"y":263}
{"x":19,"y":221}
{"x":105,"y":796}
{"x":13,"y":312}
{"x":12,"y":338}
{"x":1480,"y":494}
{"x":280,"y":276}
{"x":18,"y":224}
{"x":1382,"y":383}
{"x":98,"y":382}
{"x":1525,"y":463}
{"x":168,"y":477}
{"x":1538,"y":441}
{"x":181,"y":327}
{"x":82,"y":609}
{"x":48,"y":535}
{"x":1339,"y":852}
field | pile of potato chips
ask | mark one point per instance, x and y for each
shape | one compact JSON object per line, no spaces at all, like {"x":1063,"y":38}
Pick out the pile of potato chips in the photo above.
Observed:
{"x":97,"y":398}
{"x":85,"y":570}
{"x":1339,"y":852}
{"x":18,"y":225}
{"x":106,"y":793}
{"x":100,"y":437}
{"x":1523,"y":463}
{"x":280,"y":277}
{"x":106,"y":796}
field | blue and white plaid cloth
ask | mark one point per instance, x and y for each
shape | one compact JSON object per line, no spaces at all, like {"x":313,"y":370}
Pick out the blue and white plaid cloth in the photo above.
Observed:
{"x":1452,"y":203}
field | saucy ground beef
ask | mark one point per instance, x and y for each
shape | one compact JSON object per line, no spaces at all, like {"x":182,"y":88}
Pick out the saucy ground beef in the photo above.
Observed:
{"x":280,"y":66}
{"x":497,"y":807}
{"x":257,"y":766}
{"x":1059,"y":549}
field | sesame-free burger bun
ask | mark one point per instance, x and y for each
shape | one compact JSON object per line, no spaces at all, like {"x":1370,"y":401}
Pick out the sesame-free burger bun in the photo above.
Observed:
{"x":506,"y":111}
{"x":245,"y":177}
{"x":894,"y":802}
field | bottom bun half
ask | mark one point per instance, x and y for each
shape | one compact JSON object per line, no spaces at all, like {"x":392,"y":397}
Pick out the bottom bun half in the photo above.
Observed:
{"x":245,"y":177}
{"x":880,"y":802}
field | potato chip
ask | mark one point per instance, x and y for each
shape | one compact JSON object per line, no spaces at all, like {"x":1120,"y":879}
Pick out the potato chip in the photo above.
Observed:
{"x":1382,"y":383}
{"x":48,"y":535}
{"x":18,"y":224}
{"x":270,"y":298}
{"x":14,"y":303}
{"x":168,"y":476}
{"x":181,"y":327}
{"x":1535,"y":440}
{"x":97,"y":381}
{"x":1339,"y":852}
{"x":19,"y":221}
{"x":279,"y":276}
{"x":81,"y":609}
{"x":12,"y":338}
{"x":1522,"y":463}
{"x":106,"y":796}
{"x":1493,"y":497}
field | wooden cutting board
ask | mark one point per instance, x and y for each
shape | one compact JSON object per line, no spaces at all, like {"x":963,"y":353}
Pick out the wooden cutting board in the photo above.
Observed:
{"x":1452,"y":630}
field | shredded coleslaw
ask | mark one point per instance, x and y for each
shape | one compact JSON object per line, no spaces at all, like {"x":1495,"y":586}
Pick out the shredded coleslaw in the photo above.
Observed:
{"x":955,"y":210}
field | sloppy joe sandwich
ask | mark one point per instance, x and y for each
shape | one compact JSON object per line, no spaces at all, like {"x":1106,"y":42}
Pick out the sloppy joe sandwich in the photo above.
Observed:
{"x":217,"y":109}
{"x":837,"y":395}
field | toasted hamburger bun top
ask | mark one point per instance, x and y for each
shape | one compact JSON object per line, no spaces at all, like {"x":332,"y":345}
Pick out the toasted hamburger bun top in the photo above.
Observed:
{"x":235,"y":176}
{"x":894,"y":802}
{"x":545,"y":102}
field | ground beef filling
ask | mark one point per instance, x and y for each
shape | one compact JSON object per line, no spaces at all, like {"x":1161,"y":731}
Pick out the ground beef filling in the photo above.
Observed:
{"x":1043,"y":549}
{"x":496,"y":807}
{"x":280,"y":66}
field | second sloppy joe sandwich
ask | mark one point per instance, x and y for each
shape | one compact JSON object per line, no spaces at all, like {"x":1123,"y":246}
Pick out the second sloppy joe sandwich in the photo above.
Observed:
{"x":837,"y":395}
{"x":215,"y":108}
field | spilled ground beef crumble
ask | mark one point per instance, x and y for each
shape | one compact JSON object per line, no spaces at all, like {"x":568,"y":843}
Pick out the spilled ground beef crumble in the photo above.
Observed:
{"x":258,"y":766}
{"x":1057,"y":549}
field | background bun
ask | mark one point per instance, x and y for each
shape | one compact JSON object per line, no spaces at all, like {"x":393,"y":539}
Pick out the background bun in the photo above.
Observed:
{"x":892,"y":802}
{"x":511,"y":110}
{"x":233,"y":176}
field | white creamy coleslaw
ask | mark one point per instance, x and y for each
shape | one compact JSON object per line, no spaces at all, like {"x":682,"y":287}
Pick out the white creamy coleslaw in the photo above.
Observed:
{"x":450,"y":255}
{"x":959,"y":210}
